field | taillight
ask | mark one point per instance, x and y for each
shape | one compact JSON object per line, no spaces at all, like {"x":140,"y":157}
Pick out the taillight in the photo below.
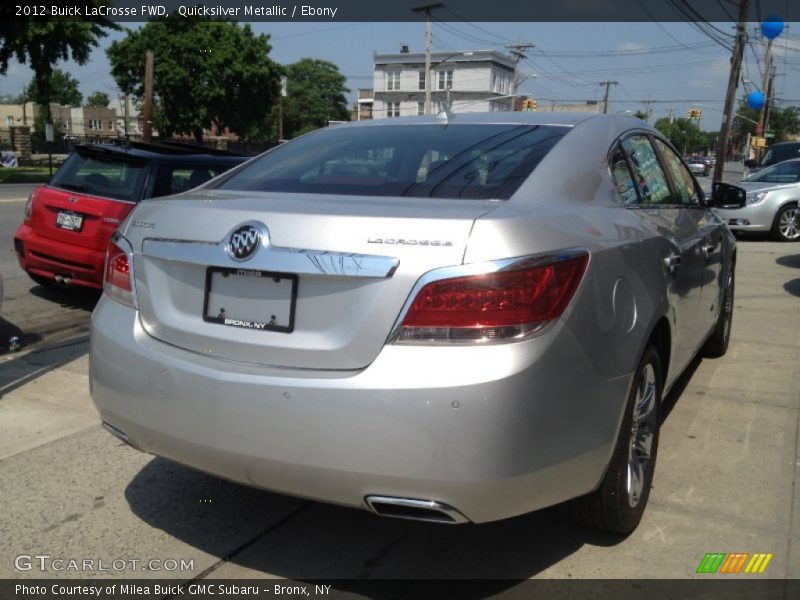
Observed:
{"x":118,"y":280}
{"x":506,"y":304}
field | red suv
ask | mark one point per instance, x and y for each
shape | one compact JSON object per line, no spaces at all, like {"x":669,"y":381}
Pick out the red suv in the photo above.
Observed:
{"x":69,"y":221}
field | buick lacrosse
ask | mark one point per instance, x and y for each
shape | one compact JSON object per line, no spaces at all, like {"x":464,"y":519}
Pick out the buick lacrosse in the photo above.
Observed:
{"x":455,"y":319}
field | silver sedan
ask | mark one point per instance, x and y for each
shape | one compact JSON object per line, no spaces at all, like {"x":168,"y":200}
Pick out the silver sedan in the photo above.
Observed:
{"x":454,"y":319}
{"x":772,"y":200}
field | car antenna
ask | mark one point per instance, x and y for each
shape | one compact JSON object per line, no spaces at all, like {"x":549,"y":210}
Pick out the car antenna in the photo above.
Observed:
{"x":446,"y":114}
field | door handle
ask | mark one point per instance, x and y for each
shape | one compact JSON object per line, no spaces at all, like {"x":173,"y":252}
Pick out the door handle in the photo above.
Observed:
{"x":672,"y":261}
{"x":709,"y":248}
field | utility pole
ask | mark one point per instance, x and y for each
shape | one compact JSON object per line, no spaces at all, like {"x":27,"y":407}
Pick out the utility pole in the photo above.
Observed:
{"x":769,"y":100}
{"x":125,"y":112}
{"x":671,"y":113}
{"x":147,"y":132}
{"x":608,"y":85}
{"x":648,"y":109}
{"x":427,"y":10}
{"x":517,"y":52}
{"x":765,"y":87}
{"x":733,"y":85}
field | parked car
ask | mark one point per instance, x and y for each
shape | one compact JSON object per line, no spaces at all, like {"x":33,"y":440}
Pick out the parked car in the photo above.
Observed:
{"x":772,"y":200}
{"x":774,"y":154}
{"x":699,"y":166}
{"x":69,"y":221}
{"x":456,"y":318}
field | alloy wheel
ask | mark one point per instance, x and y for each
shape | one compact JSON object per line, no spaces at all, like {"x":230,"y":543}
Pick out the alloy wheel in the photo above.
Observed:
{"x":643,"y":426}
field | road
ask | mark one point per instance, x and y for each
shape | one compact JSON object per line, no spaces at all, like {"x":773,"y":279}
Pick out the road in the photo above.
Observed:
{"x":726,"y":478}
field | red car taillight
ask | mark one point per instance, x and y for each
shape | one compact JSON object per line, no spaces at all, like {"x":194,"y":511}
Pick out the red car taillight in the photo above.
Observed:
{"x":493,"y":306}
{"x":118,"y":279}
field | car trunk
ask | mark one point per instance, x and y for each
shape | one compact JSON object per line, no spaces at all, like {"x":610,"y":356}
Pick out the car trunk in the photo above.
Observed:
{"x":75,"y":218}
{"x":349,"y":262}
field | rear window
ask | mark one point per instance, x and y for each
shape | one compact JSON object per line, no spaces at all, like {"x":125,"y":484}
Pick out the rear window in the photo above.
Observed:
{"x":104,"y":176}
{"x":440,"y":161}
{"x":777,"y":154}
{"x":785,"y":172}
{"x":177,"y":179}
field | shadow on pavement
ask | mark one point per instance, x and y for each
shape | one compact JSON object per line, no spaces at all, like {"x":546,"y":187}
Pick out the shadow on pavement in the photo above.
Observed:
{"x":16,"y":371}
{"x":793,"y":287}
{"x":346,"y":544}
{"x":71,"y":297}
{"x":789,"y":260}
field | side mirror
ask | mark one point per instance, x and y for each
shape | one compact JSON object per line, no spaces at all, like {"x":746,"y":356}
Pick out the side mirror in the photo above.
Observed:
{"x":750,"y":163}
{"x":725,"y":195}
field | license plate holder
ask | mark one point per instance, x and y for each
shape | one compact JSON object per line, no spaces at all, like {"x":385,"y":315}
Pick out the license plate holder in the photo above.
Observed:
{"x":69,"y":220}
{"x":250,"y":299}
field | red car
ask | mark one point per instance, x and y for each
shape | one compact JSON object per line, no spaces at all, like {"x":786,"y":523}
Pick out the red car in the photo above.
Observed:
{"x":69,"y":221}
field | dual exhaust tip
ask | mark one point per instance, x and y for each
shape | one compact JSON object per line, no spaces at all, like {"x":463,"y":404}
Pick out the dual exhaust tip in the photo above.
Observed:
{"x":62,"y":281}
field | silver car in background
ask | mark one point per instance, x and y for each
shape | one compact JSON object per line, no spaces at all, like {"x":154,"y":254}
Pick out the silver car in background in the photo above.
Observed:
{"x":455,"y":319}
{"x":772,"y":200}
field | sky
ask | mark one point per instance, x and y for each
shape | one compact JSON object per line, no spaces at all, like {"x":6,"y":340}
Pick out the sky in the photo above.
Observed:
{"x":674,"y":65}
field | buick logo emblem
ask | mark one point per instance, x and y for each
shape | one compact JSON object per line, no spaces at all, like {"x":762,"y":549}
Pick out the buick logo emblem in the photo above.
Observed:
{"x":244,"y":242}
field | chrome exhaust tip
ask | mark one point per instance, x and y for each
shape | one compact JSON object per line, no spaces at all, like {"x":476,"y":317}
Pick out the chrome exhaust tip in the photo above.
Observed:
{"x":59,"y":280}
{"x":119,"y":434}
{"x":429,"y":511}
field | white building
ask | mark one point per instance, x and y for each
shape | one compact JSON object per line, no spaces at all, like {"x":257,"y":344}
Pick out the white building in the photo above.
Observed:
{"x":478,"y":81}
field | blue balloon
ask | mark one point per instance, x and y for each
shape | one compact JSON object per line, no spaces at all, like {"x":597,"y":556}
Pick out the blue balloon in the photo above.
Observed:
{"x":772,"y":27}
{"x":755,"y":100}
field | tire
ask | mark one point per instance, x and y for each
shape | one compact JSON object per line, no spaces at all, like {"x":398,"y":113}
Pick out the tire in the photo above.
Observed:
{"x":785,"y":227}
{"x":618,"y":504}
{"x":717,"y":344}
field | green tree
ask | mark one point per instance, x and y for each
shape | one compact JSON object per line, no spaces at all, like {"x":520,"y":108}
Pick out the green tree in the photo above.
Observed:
{"x":641,"y":115}
{"x":204,"y":72}
{"x":315,"y":95}
{"x":684,"y":135}
{"x":784,"y":122}
{"x":63,"y":89}
{"x":41,"y":42}
{"x":98,"y":99}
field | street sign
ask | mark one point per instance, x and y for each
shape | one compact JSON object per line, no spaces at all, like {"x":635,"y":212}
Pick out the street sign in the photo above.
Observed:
{"x":758,"y":142}
{"x":769,"y":134}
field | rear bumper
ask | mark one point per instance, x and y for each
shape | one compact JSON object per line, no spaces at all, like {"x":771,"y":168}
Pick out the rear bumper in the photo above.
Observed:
{"x":47,"y":258}
{"x":492,"y":431}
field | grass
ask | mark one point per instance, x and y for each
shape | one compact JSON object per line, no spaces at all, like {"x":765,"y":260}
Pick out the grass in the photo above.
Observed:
{"x":25,"y":174}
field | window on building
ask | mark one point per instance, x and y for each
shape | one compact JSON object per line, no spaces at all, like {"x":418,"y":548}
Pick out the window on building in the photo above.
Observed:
{"x":111,"y":125}
{"x":9,"y":120}
{"x":392,"y":109}
{"x":392,"y":80}
{"x":421,"y":107}
{"x":422,"y":80}
{"x":445,"y":79}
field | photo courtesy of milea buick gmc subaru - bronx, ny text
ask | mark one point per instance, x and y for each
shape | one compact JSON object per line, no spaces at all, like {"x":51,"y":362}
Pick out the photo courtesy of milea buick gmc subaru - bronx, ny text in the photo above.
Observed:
{"x":68,"y":222}
{"x":454,"y":319}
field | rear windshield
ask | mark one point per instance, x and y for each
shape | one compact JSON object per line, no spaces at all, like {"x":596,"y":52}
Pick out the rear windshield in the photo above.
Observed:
{"x":785,"y":172}
{"x":99,"y":175}
{"x":778,"y":154}
{"x":441,"y":161}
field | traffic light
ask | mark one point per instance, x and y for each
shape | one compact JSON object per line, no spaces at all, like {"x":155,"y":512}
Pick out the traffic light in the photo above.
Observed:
{"x":694,"y":113}
{"x":529,"y":105}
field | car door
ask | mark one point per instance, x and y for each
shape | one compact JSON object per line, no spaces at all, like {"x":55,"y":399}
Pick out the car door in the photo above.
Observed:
{"x":710,"y":231}
{"x":660,"y":209}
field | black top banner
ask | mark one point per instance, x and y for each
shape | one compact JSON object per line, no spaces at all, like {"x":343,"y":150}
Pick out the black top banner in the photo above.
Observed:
{"x":413,"y":10}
